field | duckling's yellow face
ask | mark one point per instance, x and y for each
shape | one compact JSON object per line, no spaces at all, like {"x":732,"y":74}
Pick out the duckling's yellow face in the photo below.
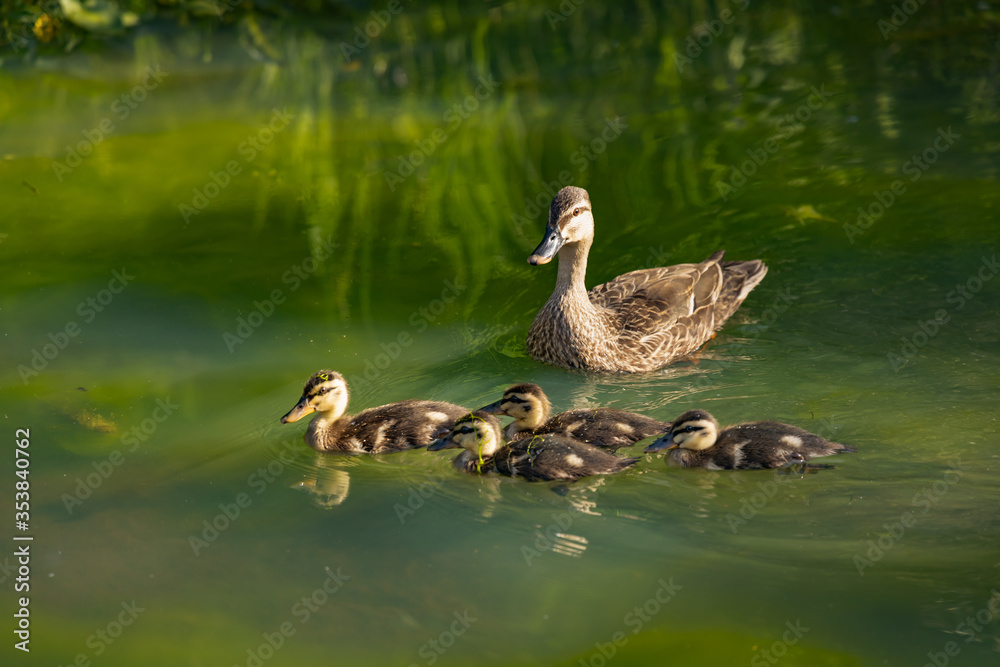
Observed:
{"x":472,"y":433}
{"x":325,"y":393}
{"x":529,"y":408}
{"x":695,"y":429}
{"x":696,"y":434}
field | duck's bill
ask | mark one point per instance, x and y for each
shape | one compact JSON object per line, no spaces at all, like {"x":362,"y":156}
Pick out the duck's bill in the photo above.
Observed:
{"x":298,"y":412}
{"x":660,"y":445}
{"x":492,"y":408}
{"x":441,"y":443}
{"x":548,"y":248}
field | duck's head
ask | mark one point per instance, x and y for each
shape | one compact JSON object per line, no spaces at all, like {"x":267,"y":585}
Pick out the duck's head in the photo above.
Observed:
{"x":478,"y":432}
{"x":325,"y":392}
{"x":695,"y":429}
{"x":570,"y":221}
{"x":526,"y":403}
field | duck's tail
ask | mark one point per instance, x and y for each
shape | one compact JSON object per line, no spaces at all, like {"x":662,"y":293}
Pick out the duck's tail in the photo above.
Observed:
{"x":739,"y":278}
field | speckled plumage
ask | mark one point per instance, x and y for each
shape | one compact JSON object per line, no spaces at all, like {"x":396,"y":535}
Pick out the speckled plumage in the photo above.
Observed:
{"x":602,"y":427}
{"x":752,"y":445}
{"x":387,"y":428}
{"x":639,"y":321}
{"x":538,"y":458}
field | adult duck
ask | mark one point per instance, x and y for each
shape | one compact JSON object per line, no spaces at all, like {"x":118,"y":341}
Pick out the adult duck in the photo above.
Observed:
{"x":640,"y":320}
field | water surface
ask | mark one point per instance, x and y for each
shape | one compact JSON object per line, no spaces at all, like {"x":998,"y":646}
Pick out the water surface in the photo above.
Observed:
{"x":314,"y":246}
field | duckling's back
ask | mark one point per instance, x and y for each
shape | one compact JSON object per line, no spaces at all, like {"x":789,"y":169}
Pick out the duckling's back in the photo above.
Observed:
{"x":548,"y":457}
{"x":772,"y":445}
{"x":398,"y":426}
{"x":603,"y":427}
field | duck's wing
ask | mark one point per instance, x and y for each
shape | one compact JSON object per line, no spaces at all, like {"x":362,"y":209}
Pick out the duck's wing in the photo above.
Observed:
{"x":671,"y":311}
{"x":772,"y":444}
{"x":672,"y":291}
{"x":399,"y":426}
{"x":517,"y":459}
{"x":604,"y":427}
{"x":808,"y":444}
{"x":555,"y":457}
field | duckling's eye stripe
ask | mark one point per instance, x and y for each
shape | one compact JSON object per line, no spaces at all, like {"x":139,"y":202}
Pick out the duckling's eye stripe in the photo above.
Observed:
{"x":515,"y":399}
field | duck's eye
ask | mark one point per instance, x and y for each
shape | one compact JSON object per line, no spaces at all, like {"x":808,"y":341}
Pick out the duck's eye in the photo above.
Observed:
{"x":576,"y":212}
{"x":465,"y":429}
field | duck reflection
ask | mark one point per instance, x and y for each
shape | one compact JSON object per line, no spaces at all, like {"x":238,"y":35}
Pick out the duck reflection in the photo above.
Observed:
{"x":327,"y":482}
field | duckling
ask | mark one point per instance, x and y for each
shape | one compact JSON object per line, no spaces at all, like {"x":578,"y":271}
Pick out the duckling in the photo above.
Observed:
{"x":388,"y":428}
{"x":603,"y":427}
{"x":640,"y":320}
{"x":537,"y":458}
{"x":695,"y":441}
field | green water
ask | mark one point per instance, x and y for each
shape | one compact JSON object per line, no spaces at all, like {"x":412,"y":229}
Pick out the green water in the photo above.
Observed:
{"x":422,"y":284}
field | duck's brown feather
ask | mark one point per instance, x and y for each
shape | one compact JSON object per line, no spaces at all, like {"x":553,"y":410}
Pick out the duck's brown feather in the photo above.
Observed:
{"x":644,"y":319}
{"x":601,"y":427}
{"x":387,"y":428}
{"x":759,"y":445}
{"x":549,"y":457}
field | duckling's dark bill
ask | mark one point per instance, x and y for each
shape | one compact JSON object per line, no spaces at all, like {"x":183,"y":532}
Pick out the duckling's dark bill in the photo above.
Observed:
{"x":492,"y":408}
{"x":298,"y":412}
{"x":548,"y":248}
{"x":660,"y":445}
{"x":443,"y":443}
